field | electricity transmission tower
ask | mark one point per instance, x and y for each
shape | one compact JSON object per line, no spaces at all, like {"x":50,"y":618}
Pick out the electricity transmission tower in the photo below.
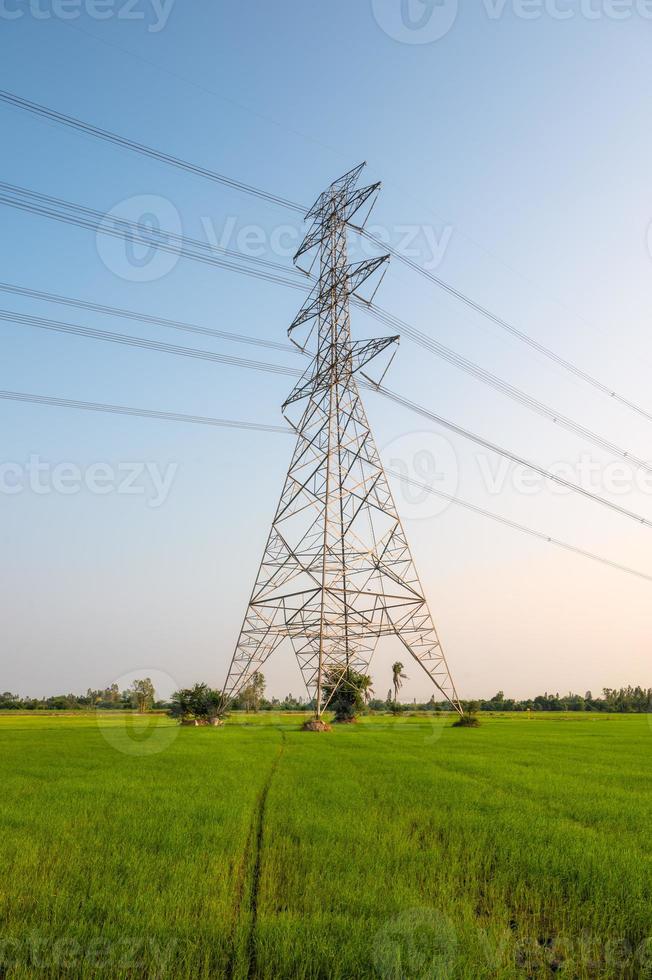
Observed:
{"x":337,"y":573}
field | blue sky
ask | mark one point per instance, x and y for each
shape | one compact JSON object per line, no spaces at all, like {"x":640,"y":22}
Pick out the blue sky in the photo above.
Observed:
{"x":521,"y":146}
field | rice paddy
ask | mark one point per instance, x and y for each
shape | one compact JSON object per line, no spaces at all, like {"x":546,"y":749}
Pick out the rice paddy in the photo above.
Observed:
{"x":392,"y":848}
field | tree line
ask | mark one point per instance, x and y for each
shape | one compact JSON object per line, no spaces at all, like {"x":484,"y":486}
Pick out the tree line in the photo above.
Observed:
{"x":141,"y":697}
{"x":622,"y":700}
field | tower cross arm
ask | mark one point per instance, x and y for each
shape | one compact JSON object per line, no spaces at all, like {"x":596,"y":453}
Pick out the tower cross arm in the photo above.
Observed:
{"x":350,"y":279}
{"x":341,"y":201}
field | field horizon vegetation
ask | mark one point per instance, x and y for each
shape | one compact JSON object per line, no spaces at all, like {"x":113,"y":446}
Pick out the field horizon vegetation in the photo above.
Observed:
{"x":629,"y":699}
{"x":396,"y":847}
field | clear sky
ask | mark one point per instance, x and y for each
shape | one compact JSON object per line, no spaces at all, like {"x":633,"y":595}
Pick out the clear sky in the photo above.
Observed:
{"x":513,"y":141}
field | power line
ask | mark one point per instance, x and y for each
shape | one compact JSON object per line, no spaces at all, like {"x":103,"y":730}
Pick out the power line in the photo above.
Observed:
{"x":104,"y":134}
{"x":144,"y":343}
{"x":76,"y":214}
{"x":512,"y":457}
{"x":418,"y":336}
{"x":21,"y":396}
{"x":186,"y":253}
{"x":130,"y":230}
{"x":510,"y":328}
{"x":506,"y":522}
{"x":69,"y":403}
{"x":159,"y":235}
{"x":35,"y":108}
{"x":238,"y":338}
{"x":509,"y":390}
{"x":209,"y":259}
{"x":162,"y":240}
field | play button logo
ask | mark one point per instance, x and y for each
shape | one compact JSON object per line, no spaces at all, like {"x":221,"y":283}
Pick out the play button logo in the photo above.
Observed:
{"x":415,"y":21}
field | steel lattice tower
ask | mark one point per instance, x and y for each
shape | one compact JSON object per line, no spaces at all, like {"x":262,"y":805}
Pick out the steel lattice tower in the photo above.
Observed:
{"x":337,"y":573}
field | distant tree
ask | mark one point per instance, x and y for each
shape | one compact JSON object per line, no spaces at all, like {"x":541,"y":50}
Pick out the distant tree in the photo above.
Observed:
{"x":258,"y":689}
{"x":111,"y":694}
{"x":10,"y":701}
{"x":344,"y":691}
{"x":62,"y":702}
{"x":251,"y":696}
{"x":377,"y":704}
{"x":198,"y":703}
{"x":398,"y":677}
{"x":143,"y":694}
{"x":94,"y":697}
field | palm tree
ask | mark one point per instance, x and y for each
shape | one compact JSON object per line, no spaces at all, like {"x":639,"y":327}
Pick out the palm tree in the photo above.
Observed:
{"x":398,"y":677}
{"x":366,"y":688}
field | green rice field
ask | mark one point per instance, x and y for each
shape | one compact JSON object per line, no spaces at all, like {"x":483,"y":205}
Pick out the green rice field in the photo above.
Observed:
{"x":394,"y":848}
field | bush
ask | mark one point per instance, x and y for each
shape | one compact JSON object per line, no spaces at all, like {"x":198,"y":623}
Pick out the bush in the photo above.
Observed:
{"x":344,"y":710}
{"x":467,"y":721}
{"x":344,"y":690}
{"x":198,"y":703}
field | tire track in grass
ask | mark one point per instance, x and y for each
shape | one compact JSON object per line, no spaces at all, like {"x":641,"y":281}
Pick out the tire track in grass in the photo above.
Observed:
{"x":235,"y":954}
{"x":242,"y":962}
{"x":257,"y":861}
